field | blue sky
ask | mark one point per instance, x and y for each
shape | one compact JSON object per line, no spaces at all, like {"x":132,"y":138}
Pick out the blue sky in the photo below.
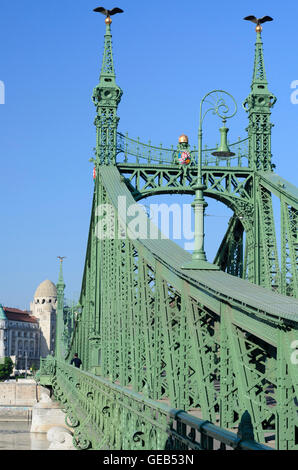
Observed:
{"x":167,"y":55}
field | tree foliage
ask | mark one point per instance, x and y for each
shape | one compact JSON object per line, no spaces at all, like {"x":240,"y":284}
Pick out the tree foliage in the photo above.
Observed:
{"x":6,"y":368}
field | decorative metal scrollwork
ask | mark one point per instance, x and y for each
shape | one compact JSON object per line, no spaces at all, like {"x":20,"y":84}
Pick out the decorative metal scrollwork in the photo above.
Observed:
{"x":137,"y":437}
{"x":80,"y":442}
{"x":71,"y":421}
{"x":218,"y":105}
{"x":106,"y":410}
{"x":48,"y":366}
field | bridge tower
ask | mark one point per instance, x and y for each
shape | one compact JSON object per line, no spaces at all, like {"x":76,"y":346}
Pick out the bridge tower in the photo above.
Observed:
{"x":106,"y":96}
{"x":258,"y":105}
{"x":60,"y":311}
{"x":155,"y":339}
{"x":261,"y":250}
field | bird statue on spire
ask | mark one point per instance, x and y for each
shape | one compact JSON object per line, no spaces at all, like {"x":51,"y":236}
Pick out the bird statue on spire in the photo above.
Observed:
{"x":61,"y":258}
{"x":258,"y":21}
{"x":108,"y":13}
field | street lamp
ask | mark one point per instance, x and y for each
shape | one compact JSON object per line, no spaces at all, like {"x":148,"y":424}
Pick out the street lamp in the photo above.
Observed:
{"x":217,"y":106}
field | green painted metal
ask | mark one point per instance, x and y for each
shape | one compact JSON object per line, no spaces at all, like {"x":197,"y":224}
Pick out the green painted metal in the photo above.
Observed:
{"x":230,"y":253}
{"x":99,"y":410}
{"x":106,"y":97}
{"x":134,"y":151}
{"x":219,"y":107}
{"x":60,"y":313}
{"x":2,"y":313}
{"x":165,"y":349}
{"x":258,"y":105}
{"x":163,"y":311}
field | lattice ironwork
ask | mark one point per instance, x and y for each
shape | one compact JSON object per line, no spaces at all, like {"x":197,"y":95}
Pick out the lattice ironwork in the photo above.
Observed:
{"x":133,"y":151}
{"x":153,"y":337}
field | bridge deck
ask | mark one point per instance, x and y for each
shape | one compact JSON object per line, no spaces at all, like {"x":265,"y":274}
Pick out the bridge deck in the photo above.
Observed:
{"x":174,"y":257}
{"x":279,"y":185}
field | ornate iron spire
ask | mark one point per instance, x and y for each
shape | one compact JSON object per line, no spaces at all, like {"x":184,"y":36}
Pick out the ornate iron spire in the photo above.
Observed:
{"x":258,"y":104}
{"x":106,"y":96}
{"x":259,"y":75}
{"x":60,"y":279}
{"x":107,"y":68}
{"x":60,"y":309}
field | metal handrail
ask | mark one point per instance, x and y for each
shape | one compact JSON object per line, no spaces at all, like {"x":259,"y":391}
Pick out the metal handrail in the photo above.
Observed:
{"x":215,"y":433}
{"x":146,"y":152}
{"x":177,"y":420}
{"x":173,"y":148}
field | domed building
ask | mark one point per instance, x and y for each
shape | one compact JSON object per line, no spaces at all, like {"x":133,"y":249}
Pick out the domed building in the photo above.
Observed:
{"x":27,"y":336}
{"x":46,"y":289}
{"x":43,"y":308}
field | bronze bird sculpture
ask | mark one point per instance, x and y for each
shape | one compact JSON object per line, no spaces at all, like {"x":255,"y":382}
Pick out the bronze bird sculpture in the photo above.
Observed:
{"x":108,"y":13}
{"x":258,"y":21}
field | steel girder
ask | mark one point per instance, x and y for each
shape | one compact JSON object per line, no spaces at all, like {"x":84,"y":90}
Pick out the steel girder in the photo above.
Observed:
{"x":229,"y":256}
{"x":289,"y":240}
{"x":172,"y":340}
{"x":105,"y":416}
{"x":207,"y":343}
{"x":245,"y":192}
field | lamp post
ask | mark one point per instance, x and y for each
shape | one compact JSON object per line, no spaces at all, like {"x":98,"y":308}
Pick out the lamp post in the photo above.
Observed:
{"x":217,"y":106}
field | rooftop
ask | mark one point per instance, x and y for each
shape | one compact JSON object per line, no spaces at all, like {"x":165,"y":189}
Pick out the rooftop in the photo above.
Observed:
{"x":46,"y":289}
{"x":14,"y":314}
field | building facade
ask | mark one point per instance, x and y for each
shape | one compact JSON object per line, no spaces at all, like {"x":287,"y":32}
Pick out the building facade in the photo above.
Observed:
{"x":43,"y":308}
{"x":27,"y":336}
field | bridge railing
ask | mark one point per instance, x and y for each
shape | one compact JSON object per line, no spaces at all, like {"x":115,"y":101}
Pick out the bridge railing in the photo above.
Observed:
{"x":189,"y":432}
{"x":136,"y":152}
{"x":106,"y":416}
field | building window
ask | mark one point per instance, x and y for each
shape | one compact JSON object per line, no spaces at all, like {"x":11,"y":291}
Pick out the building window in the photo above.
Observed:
{"x":20,"y":348}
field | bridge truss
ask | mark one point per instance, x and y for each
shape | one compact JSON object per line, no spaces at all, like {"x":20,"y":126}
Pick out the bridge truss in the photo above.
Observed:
{"x":154,"y":337}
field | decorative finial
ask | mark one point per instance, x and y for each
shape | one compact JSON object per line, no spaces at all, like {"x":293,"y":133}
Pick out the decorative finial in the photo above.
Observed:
{"x":258,"y":21}
{"x":108,"y":13}
{"x":183,"y":139}
{"x":61,"y":258}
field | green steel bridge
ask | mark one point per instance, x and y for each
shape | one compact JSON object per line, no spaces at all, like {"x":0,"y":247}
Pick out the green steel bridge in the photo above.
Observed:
{"x":176,"y":358}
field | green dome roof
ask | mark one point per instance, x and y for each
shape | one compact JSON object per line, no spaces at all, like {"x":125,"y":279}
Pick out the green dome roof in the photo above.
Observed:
{"x":2,"y":313}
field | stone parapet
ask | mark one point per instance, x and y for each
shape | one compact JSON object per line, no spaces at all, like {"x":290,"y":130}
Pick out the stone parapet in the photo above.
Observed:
{"x":19,"y":393}
{"x":15,"y":413}
{"x":47,"y":414}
